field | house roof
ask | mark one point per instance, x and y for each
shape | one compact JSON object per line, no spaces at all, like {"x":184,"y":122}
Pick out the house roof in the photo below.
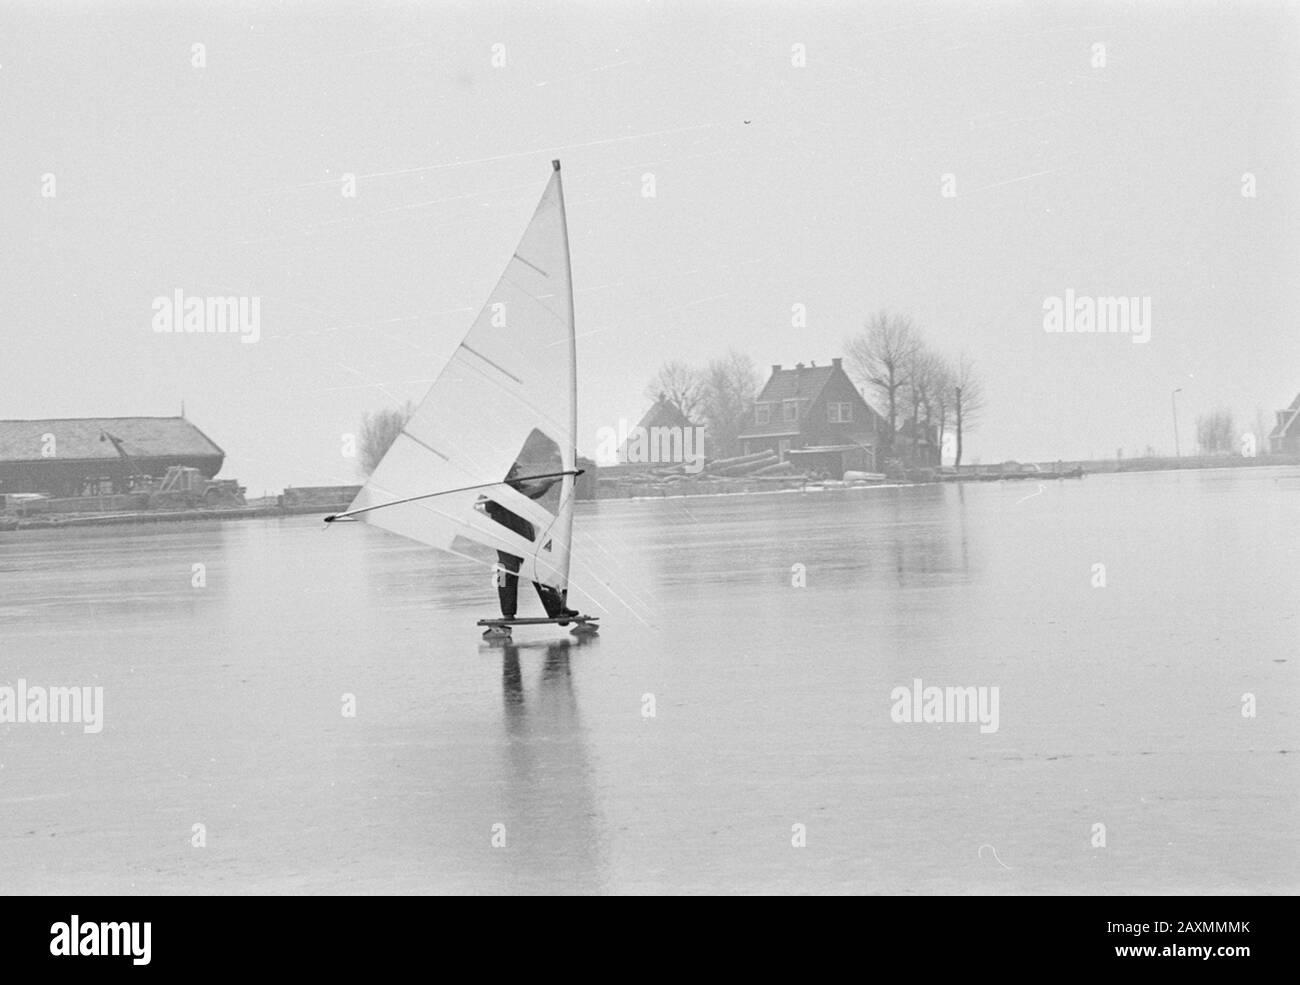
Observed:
{"x":1287,"y":420}
{"x":796,"y":384}
{"x":662,"y":413}
{"x":802,"y":383}
{"x":77,"y":439}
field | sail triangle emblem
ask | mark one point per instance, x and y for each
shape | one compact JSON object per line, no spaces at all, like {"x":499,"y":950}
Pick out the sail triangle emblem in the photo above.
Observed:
{"x":546,"y":546}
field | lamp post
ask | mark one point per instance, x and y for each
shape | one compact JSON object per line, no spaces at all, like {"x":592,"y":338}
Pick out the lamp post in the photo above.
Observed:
{"x":1173,"y":404}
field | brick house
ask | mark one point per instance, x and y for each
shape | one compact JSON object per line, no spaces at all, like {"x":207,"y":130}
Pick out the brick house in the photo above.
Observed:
{"x":815,"y":417}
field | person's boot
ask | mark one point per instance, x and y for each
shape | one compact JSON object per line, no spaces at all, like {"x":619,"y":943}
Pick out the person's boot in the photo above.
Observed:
{"x":554,"y":603}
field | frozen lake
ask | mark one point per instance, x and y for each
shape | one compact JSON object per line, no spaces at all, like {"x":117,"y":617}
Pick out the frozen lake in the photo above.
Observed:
{"x":1118,"y":705}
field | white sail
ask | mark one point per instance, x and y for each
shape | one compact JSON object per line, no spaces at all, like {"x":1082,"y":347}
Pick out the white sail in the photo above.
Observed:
{"x":506,"y":398}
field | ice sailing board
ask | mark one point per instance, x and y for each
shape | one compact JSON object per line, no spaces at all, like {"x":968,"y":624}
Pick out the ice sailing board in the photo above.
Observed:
{"x":507,"y":399}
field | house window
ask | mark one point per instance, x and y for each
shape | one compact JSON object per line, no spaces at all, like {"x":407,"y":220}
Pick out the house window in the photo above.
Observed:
{"x":790,"y":410}
{"x":762,"y":413}
{"x":839,"y":413}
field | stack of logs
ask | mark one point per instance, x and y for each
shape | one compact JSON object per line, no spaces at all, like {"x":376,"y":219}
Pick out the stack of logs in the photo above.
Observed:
{"x":761,"y":465}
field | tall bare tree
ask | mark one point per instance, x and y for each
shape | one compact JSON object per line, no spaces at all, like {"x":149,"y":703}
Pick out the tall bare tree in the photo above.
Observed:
{"x":968,"y":399}
{"x":727,"y":394}
{"x":378,"y":431}
{"x":1214,"y":432}
{"x":923,"y":370}
{"x":879,"y":357}
{"x":681,"y":384}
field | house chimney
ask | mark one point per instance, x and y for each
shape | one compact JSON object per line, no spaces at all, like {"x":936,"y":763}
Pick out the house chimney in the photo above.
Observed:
{"x":836,"y":362}
{"x":776,"y":367}
{"x":813,"y":364}
{"x":798,"y":365}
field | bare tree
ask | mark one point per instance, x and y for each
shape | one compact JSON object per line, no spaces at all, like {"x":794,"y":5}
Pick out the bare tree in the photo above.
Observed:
{"x":378,"y":431}
{"x":923,"y":376}
{"x":727,"y":394}
{"x":1214,"y":432}
{"x":879,"y":357}
{"x":679,"y":384}
{"x":968,"y":399}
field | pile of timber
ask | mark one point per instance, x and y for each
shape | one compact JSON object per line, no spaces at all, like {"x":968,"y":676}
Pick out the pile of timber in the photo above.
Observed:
{"x":742,"y":473}
{"x":763,"y":464}
{"x":749,"y":466}
{"x":778,"y":469}
{"x":742,"y":464}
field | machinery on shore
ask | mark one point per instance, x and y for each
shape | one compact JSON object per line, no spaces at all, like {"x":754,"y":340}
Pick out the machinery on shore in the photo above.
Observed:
{"x":181,"y":487}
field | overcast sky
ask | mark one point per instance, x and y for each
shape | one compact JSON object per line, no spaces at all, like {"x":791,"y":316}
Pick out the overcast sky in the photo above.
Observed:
{"x":225,"y":180}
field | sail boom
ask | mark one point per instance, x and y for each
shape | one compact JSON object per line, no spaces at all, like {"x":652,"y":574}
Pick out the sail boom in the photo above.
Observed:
{"x":350,"y":514}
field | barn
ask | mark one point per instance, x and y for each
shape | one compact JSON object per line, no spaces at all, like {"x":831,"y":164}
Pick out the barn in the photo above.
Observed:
{"x":79,"y":456}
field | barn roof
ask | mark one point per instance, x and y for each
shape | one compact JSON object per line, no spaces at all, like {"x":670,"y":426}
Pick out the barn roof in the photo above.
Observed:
{"x":77,"y":439}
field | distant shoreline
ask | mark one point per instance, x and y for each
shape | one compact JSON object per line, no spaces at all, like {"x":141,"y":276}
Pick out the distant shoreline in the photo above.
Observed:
{"x":1185,"y":462}
{"x":302,"y":506}
{"x":9,"y":524}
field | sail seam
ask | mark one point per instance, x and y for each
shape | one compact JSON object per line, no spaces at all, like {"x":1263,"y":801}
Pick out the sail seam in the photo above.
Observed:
{"x":533,"y":265}
{"x":535,"y":298}
{"x":428,"y":447}
{"x":500,"y":369}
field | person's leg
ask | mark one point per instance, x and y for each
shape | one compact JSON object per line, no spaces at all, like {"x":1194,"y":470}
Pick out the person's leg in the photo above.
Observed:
{"x":508,"y":583}
{"x":551,"y":600}
{"x":508,"y":577}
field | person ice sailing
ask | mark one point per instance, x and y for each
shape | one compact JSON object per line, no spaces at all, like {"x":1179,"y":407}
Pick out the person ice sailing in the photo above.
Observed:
{"x":508,"y":565}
